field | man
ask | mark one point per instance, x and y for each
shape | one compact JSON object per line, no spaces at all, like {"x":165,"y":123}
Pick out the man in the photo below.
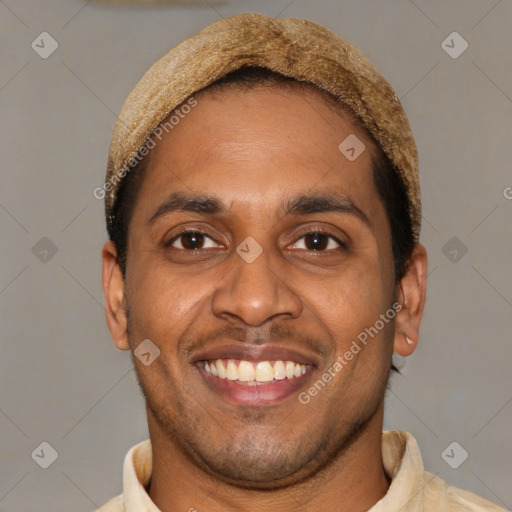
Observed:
{"x":263,"y":208}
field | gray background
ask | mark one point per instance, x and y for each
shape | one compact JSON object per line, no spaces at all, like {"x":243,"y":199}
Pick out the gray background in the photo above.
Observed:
{"x":62,"y":380}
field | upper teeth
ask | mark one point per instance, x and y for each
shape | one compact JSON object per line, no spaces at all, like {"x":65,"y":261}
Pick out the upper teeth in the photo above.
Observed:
{"x":246,"y":371}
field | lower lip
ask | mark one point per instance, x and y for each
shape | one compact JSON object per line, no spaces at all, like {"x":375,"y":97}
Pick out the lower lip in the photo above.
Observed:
{"x":260,"y":394}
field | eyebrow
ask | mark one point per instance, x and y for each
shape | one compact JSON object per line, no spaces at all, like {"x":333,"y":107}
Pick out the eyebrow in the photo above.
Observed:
{"x":305,"y":204}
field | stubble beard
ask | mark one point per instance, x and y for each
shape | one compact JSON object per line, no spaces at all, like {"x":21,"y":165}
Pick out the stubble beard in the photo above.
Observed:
{"x":250,"y":461}
{"x":253,"y":461}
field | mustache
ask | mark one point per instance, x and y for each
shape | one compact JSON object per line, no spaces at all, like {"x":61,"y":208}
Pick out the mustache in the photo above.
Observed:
{"x":274,"y":333}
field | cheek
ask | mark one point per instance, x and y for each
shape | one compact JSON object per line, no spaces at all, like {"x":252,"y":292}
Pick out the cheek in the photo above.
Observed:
{"x":357,"y":291}
{"x":349,"y":303}
{"x":160,"y":300}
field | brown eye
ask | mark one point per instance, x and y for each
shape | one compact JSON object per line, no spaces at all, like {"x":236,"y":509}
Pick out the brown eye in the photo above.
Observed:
{"x":318,"y":241}
{"x":190,"y":241}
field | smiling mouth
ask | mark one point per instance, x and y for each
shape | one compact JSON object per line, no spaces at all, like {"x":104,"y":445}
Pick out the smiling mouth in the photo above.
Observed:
{"x":253,"y":373}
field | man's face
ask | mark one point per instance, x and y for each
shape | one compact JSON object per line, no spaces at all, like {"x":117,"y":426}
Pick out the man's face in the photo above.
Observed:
{"x":209,"y":297}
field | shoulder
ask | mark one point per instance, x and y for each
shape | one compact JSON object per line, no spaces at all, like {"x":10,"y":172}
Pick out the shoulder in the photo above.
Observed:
{"x":439,"y":495}
{"x":115,"y":504}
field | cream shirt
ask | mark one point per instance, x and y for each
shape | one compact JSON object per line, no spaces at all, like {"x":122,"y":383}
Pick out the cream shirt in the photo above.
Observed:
{"x":412,"y":488}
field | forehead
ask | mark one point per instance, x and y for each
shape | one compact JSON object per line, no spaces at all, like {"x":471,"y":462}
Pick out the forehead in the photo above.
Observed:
{"x":253,"y":147}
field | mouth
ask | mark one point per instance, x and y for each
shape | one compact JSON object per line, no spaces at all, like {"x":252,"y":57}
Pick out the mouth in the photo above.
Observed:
{"x":254,"y":375}
{"x":251,"y":373}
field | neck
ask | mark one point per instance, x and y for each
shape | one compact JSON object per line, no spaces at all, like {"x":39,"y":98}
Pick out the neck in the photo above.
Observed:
{"x":353,"y":482}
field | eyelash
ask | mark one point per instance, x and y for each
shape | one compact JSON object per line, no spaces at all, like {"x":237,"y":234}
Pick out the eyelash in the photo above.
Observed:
{"x":302,"y":235}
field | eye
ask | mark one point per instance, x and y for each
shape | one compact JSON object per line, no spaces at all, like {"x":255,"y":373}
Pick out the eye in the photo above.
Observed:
{"x":191,"y":240}
{"x":317,"y":241}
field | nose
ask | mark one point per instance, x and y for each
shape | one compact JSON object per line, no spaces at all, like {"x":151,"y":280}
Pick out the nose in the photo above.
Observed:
{"x":253,"y":292}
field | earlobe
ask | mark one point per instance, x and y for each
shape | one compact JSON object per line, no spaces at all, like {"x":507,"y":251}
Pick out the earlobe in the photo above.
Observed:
{"x":412,"y":295}
{"x":113,"y":291}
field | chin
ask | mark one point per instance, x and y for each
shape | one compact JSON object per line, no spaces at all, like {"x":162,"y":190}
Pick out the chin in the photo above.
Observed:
{"x":269,"y":468}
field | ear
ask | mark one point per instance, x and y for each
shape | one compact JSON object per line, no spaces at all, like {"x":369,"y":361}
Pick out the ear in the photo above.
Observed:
{"x":113,"y":290}
{"x":411,"y":295}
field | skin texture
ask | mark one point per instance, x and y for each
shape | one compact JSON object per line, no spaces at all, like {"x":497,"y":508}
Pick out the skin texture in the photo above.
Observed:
{"x":254,"y":150}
